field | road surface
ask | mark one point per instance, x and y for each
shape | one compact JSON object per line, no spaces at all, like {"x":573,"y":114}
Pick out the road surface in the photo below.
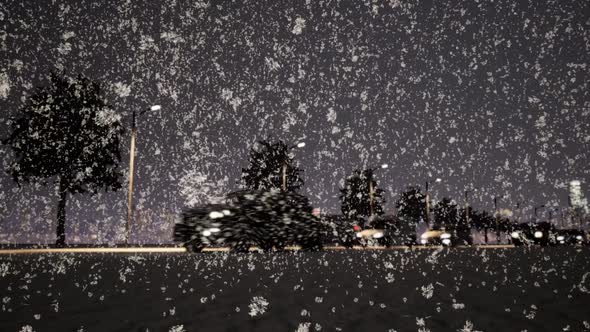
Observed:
{"x":182,"y":249}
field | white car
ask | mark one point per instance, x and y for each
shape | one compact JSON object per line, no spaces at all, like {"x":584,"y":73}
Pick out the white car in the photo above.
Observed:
{"x":438,"y":237}
{"x":370,"y":237}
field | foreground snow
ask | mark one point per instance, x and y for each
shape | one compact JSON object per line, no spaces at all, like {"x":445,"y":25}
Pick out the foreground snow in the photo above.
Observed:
{"x":425,"y":290}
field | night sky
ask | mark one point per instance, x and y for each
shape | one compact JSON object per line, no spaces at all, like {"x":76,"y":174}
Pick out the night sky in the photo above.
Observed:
{"x":483,"y":94}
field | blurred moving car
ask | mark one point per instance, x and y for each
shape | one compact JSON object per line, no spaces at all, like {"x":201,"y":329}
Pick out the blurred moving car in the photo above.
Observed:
{"x":571,"y":237}
{"x":541,"y":233}
{"x":211,"y":225}
{"x":439,"y":237}
{"x":267,"y":219}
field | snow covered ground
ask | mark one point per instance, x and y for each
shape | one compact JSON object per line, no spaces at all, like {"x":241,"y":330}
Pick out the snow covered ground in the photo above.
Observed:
{"x":423,"y":290}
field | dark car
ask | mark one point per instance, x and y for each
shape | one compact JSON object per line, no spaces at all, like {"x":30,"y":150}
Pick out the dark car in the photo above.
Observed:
{"x":211,"y":225}
{"x":279,"y":219}
{"x":570,"y":237}
{"x":267,"y":219}
{"x":339,"y":231}
{"x":541,"y":233}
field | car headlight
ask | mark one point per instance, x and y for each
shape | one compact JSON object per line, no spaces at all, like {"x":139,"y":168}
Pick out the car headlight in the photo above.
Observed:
{"x":445,"y":236}
{"x":515,"y":235}
{"x":423,"y":241}
{"x":560,"y":238}
{"x":378,"y":235}
{"x":579,"y":237}
{"x":423,"y":236}
{"x":446,"y":241}
{"x":226,"y":212}
{"x":216,"y":215}
{"x":359,"y":235}
{"x":538,"y":234}
{"x":206,"y":232}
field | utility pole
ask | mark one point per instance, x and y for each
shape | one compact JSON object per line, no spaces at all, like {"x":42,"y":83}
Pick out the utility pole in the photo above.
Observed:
{"x":130,"y":188}
{"x":371,"y":189}
{"x":497,"y":213}
{"x":467,"y":221}
{"x":519,"y":208}
{"x":428,"y":202}
{"x":284,"y":187}
{"x":284,"y":166}
{"x":131,"y":171}
{"x":537,"y":208}
{"x":427,"y":207}
{"x":467,"y":207}
{"x":371,"y":194}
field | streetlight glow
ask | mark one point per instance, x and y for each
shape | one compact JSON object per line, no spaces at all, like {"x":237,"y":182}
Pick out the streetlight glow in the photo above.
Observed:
{"x":438,"y":180}
{"x":300,"y":144}
{"x":156,"y":108}
{"x":384,"y":166}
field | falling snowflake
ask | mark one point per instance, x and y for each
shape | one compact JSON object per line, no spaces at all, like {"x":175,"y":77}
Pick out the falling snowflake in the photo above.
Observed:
{"x":303,"y":327}
{"x":258,"y":306}
{"x":468,"y":328}
{"x":177,"y":328}
{"x":4,"y":86}
{"x":299,"y":25}
{"x":122,"y":90}
{"x":427,"y":291}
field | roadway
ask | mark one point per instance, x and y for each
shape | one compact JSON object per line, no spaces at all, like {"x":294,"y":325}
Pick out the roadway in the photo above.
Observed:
{"x":128,"y":250}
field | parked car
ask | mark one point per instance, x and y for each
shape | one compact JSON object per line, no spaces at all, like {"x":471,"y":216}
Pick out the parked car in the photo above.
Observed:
{"x":570,"y":237}
{"x":439,"y":237}
{"x":541,"y":233}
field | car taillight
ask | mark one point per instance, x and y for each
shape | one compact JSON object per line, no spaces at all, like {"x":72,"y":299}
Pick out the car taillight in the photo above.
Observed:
{"x":356,"y":228}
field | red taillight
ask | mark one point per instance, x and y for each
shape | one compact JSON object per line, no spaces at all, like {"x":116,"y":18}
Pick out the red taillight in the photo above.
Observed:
{"x":356,"y":228}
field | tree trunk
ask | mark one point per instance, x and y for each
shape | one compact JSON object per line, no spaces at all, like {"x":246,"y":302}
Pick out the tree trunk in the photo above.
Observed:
{"x":61,"y":214}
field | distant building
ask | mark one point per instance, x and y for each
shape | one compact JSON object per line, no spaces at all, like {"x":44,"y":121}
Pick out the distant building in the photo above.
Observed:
{"x":577,"y":201}
{"x":578,"y":204}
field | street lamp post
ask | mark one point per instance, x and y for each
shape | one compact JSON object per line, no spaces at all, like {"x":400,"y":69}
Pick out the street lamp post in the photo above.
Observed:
{"x":131,"y":167}
{"x":371,"y":189}
{"x":428,"y":202}
{"x":519,"y":208}
{"x":467,"y":207}
{"x":551,"y":210}
{"x":284,"y":167}
{"x":497,"y":215}
{"x":562,"y":218}
{"x":537,"y":208}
